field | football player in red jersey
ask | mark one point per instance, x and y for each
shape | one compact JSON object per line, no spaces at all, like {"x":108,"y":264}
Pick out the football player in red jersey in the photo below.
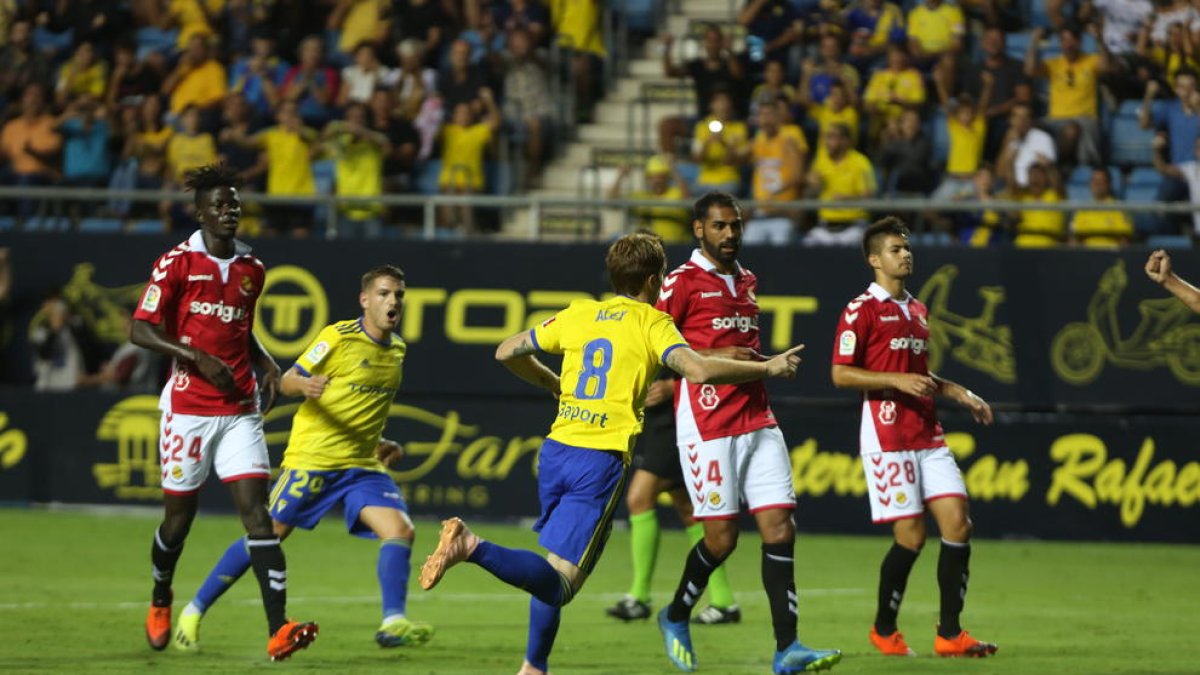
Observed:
{"x":198,"y":309}
{"x":882,"y":350}
{"x":730,"y":447}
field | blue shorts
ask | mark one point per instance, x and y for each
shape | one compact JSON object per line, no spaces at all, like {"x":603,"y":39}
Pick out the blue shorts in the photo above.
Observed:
{"x":301,"y":498}
{"x":579,"y":490}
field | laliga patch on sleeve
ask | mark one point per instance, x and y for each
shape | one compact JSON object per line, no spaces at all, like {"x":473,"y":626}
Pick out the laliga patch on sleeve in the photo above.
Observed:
{"x":317,"y":353}
{"x":846,"y":343}
{"x":151,"y":298}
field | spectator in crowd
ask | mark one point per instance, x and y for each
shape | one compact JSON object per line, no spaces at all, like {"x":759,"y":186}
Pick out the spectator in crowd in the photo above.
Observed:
{"x":242,"y":20}
{"x":872,"y":25}
{"x":1102,"y":229}
{"x":527,"y":14}
{"x":198,"y":80}
{"x":20,"y":63}
{"x":413,"y":85}
{"x":86,"y":135}
{"x":893,"y":90}
{"x":311,"y":85}
{"x":1010,"y":86}
{"x":820,"y":75}
{"x":1074,"y":99}
{"x":528,"y":106}
{"x":153,"y":134}
{"x":663,"y":182}
{"x":82,"y":75}
{"x":840,"y":174}
{"x":237,"y":121}
{"x":257,"y":77}
{"x":1177,"y":53}
{"x":772,"y":88}
{"x":1179,"y":118}
{"x":906,"y":156}
{"x":288,"y":149}
{"x":1169,"y":13}
{"x":1041,"y":228}
{"x":989,"y":227}
{"x":131,"y":369}
{"x":721,"y":146}
{"x":404,"y":142}
{"x":1185,"y":172}
{"x":966,"y":127}
{"x":423,"y":20}
{"x":935,"y":28}
{"x":31,"y":145}
{"x":60,"y":345}
{"x":359,"y":22}
{"x":776,"y":23}
{"x":779,"y":154}
{"x":1121,"y":22}
{"x":717,"y":68}
{"x":1023,"y":145}
{"x":837,"y":109}
{"x":487,"y":41}
{"x":579,"y":27}
{"x":94,"y":21}
{"x":462,"y":82}
{"x":192,"y":19}
{"x":360,"y":79}
{"x":292,"y":22}
{"x":189,"y":148}
{"x":464,"y":141}
{"x":132,"y":80}
{"x":358,"y":151}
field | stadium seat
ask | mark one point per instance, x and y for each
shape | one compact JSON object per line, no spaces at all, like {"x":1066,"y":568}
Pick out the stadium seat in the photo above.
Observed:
{"x":1128,"y":143}
{"x":1169,"y":241}
{"x":146,"y":227}
{"x":1141,"y":187}
{"x":100,"y":225}
{"x":640,"y":15}
{"x":940,"y":136}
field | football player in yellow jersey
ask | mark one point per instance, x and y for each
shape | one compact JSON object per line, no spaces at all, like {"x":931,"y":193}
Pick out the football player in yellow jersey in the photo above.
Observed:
{"x":336,"y":454}
{"x":612,"y":350}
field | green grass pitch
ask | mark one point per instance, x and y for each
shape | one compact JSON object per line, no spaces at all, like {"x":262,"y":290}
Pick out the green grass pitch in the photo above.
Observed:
{"x":73,"y":588}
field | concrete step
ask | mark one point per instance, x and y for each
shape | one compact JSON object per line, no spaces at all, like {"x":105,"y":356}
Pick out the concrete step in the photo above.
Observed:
{"x":597,"y":134}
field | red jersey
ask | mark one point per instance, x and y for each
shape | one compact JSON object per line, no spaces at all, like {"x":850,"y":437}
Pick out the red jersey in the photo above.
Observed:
{"x":206,"y":303}
{"x":715,"y":310}
{"x":884,"y":335}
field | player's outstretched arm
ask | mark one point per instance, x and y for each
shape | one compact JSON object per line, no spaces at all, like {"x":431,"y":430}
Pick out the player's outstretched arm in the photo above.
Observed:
{"x":853,"y":377}
{"x":1158,"y":268}
{"x":517,"y":354}
{"x":980,"y":410}
{"x":147,"y":335}
{"x":718,"y":370}
{"x":296,"y":383}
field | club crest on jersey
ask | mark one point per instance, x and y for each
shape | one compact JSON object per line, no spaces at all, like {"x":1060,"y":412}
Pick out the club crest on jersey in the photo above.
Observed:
{"x":182,"y":380}
{"x":177,"y":472}
{"x":247,"y":286}
{"x":317,"y":352}
{"x":901,"y":498}
{"x":714,"y":499}
{"x":921,"y":318}
{"x":887,"y":412}
{"x":847,"y":343}
{"x":708,"y":397}
{"x":151,"y":299}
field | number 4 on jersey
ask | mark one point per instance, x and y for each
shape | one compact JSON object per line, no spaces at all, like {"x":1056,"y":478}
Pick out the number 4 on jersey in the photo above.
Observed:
{"x":714,"y":473}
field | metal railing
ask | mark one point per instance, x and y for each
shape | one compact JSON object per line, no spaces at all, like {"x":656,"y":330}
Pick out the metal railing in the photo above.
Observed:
{"x":537,"y":205}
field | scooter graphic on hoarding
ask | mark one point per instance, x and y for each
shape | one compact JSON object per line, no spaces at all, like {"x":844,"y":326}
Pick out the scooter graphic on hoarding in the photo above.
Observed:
{"x":981,"y":345}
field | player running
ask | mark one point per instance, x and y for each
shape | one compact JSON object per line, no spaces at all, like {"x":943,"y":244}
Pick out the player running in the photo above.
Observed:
{"x":198,"y":309}
{"x":882,"y":350}
{"x":655,"y":471}
{"x":730,"y":447}
{"x":611,"y":350}
{"x":1158,"y":268}
{"x":336,"y":455}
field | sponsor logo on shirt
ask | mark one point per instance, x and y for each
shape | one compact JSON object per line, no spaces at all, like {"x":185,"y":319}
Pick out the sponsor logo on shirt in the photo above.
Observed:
{"x":570,"y":412}
{"x":742,"y":324}
{"x":887,"y":319}
{"x":917,"y":345}
{"x":710,"y":294}
{"x":151,"y":299}
{"x":887,"y":412}
{"x":708,"y":398}
{"x":373,"y":389}
{"x":200,"y":277}
{"x":226,"y":313}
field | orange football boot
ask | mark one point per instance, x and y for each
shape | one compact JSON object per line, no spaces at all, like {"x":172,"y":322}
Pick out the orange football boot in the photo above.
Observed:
{"x":962,"y":645}
{"x":892,"y":645}
{"x":291,"y":638}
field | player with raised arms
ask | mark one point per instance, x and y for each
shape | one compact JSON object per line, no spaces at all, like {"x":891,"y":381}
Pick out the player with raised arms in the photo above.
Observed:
{"x":336,"y":455}
{"x":882,"y":350}
{"x":612,"y":350}
{"x":198,"y":309}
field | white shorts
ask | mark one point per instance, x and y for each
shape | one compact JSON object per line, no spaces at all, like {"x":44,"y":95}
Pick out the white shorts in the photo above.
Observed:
{"x":190,"y":444}
{"x":754,"y":468}
{"x":899,"y":484}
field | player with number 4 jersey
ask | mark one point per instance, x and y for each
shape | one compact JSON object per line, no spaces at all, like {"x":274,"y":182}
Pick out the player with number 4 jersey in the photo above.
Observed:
{"x":612,"y":350}
{"x":881,"y":349}
{"x":730,"y":448}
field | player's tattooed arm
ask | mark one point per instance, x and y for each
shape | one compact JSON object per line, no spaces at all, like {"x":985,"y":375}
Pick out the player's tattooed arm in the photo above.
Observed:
{"x":517,"y":354}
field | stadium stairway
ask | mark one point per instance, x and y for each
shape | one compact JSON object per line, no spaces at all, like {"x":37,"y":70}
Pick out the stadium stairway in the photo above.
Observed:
{"x":589,"y":163}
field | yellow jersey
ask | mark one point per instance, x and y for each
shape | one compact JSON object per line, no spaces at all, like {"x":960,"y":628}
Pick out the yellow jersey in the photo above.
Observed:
{"x":612,"y":350}
{"x":713,"y":167}
{"x":462,"y":155}
{"x":905,"y":85}
{"x":203,"y":86}
{"x":1041,"y":229}
{"x":935,"y":29}
{"x":340,"y":429}
{"x":774,"y":175}
{"x":966,"y":145}
{"x":853,"y":176}
{"x":185,"y":153}
{"x":826,"y":117}
{"x":1102,"y":229}
{"x":673,"y":224}
{"x":289,"y":168}
{"x":1073,"y":86}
